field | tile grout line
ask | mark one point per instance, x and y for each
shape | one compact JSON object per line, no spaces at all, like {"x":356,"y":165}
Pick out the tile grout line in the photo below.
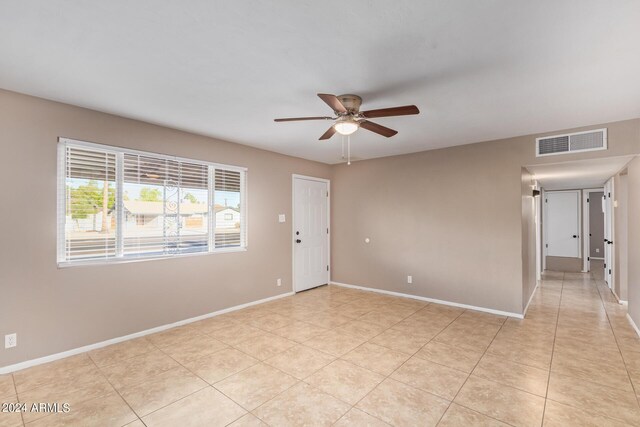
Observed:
{"x":15,"y":390}
{"x":154,"y":376}
{"x":298,"y":380}
{"x":205,"y":381}
{"x":339,"y":358}
{"x":385,"y":377}
{"x":255,"y":364}
{"x":553,"y":348}
{"x":603,"y":305}
{"x":117,"y":391}
{"x":615,"y":337}
{"x":412,"y":355}
{"x":403,"y":363}
{"x":429,"y":341}
{"x":469,"y":376}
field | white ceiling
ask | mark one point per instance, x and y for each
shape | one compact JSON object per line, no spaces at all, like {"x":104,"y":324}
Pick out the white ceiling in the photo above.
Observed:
{"x":578,"y":174}
{"x":478,"y":70}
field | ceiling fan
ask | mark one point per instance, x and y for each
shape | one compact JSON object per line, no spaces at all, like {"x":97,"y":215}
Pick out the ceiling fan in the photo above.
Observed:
{"x":348,"y":117}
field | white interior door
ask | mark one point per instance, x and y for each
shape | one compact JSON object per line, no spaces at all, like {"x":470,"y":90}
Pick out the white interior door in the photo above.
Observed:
{"x":310,"y":233}
{"x":607,"y":208}
{"x":562,"y":213}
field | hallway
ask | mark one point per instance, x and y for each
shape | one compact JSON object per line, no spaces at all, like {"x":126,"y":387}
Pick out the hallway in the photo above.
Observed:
{"x":575,"y":326}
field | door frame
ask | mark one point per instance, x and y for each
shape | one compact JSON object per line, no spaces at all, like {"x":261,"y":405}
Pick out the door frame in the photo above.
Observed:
{"x":546,"y":217}
{"x":609,"y":231}
{"x":586,"y":226}
{"x":293,"y":224}
{"x":538,"y":225}
{"x":543,"y":235}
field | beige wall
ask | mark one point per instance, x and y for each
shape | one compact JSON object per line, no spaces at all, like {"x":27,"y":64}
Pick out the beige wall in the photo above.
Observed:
{"x":529,"y":280}
{"x":465,"y":245}
{"x":451,"y":218}
{"x":633,"y":243}
{"x":54,"y":310}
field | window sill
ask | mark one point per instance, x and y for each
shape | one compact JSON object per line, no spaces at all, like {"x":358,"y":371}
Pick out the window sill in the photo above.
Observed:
{"x":129,"y":259}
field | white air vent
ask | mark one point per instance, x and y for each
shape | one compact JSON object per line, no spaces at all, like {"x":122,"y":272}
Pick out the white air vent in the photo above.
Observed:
{"x":591,"y":140}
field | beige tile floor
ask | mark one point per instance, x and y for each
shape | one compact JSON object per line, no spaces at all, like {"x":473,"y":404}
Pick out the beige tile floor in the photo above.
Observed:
{"x":337,"y":356}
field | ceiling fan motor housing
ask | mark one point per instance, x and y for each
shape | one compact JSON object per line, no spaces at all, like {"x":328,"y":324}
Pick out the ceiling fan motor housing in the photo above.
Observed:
{"x":351,"y":103}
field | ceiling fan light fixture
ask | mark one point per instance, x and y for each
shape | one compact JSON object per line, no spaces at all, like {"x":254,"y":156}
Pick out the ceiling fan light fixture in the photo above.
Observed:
{"x":346,"y":127}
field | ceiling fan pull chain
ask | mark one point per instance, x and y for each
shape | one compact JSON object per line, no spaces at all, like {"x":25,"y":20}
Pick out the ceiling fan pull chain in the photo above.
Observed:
{"x":342,"y":147}
{"x":349,"y":150}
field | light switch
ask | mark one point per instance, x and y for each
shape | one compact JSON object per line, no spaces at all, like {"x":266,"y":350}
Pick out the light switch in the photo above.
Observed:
{"x":281,"y":218}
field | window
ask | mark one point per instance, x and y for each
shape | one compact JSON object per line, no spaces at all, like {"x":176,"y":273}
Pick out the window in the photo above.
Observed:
{"x":117,"y":204}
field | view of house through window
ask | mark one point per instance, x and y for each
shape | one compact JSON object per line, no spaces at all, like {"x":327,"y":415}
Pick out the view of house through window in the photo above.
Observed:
{"x":124,"y":204}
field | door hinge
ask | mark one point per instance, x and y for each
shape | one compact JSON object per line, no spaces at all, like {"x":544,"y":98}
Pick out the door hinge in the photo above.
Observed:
{"x":588,"y":259}
{"x":546,"y":245}
{"x":605,"y":265}
{"x":587,"y":200}
{"x":327,"y":194}
{"x":327,"y":230}
{"x":609,"y":195}
{"x":546,"y":200}
{"x":609,"y":271}
{"x":327,"y":268}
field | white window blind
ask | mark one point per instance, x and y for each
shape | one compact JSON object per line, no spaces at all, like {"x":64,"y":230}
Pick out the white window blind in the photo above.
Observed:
{"x":229,"y":231}
{"x":117,"y":204}
{"x":89,"y":200}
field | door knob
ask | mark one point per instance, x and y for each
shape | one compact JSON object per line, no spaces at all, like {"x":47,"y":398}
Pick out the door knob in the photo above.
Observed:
{"x":575,"y":237}
{"x":298,"y":241}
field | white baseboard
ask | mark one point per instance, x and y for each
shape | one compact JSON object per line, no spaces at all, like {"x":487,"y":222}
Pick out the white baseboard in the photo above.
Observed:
{"x":530,"y":299}
{"x":620,"y":301}
{"x":437,"y":301}
{"x":633,"y":324}
{"x":86,"y":348}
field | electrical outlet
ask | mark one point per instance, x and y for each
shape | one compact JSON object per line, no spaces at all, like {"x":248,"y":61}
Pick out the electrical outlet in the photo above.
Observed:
{"x":279,"y":282}
{"x":10,"y":340}
{"x":409,"y":279}
{"x":597,"y":250}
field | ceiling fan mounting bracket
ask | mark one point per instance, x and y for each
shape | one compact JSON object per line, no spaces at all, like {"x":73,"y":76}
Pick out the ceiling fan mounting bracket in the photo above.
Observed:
{"x":351,"y":102}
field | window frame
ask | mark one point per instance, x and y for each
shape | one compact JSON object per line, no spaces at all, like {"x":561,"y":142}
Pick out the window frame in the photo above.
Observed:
{"x":63,"y":262}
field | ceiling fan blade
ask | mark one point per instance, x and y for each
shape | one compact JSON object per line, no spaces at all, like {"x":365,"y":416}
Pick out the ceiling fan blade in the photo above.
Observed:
{"x":295,"y":119}
{"x":389,"y":112}
{"x":374,"y":127}
{"x":333,"y":102}
{"x":328,"y":134}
